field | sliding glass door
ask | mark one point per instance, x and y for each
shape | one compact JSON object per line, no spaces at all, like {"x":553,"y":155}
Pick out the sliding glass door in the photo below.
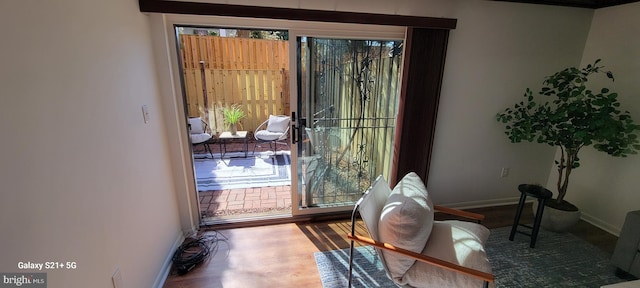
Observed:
{"x":338,"y":81}
{"x":347,"y":101}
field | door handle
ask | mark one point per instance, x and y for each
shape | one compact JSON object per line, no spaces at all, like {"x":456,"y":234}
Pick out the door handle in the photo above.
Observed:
{"x":294,"y":139}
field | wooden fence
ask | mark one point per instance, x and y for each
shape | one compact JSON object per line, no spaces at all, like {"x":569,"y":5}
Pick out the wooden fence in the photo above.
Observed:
{"x":372,"y":144}
{"x":220,"y":71}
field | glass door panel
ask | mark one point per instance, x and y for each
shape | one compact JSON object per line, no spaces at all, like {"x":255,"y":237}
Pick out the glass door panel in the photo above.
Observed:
{"x":348,"y":93}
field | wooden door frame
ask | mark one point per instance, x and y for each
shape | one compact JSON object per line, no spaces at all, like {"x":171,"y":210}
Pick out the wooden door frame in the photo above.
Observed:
{"x":212,"y":9}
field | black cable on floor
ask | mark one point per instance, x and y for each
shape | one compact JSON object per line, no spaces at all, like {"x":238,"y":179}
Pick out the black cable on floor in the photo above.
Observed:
{"x":194,"y":251}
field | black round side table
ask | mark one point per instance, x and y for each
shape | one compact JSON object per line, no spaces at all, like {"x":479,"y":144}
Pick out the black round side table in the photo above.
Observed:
{"x":535,"y":191}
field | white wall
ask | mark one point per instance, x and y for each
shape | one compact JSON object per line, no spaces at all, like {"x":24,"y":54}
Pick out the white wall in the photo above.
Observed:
{"x":495,"y":53}
{"x":83,"y":178}
{"x":604,"y":187}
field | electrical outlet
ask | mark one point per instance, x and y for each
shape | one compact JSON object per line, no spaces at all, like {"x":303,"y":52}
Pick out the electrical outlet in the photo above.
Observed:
{"x":505,"y":172}
{"x":117,"y":279}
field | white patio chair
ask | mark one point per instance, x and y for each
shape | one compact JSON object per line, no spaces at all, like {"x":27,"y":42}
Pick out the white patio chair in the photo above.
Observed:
{"x":199,"y":134}
{"x":271,"y":131}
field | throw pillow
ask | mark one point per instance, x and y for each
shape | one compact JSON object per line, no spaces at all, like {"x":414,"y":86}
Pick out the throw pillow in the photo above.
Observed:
{"x":196,"y":125}
{"x":278,"y":124}
{"x":406,"y":222}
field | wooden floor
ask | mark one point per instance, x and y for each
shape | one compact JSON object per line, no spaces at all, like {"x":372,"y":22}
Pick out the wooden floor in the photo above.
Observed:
{"x":282,"y":255}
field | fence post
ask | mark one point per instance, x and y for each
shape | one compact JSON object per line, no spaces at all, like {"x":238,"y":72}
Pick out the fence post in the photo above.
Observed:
{"x":204,"y":93}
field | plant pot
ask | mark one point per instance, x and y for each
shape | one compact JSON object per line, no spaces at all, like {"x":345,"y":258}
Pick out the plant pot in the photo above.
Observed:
{"x":233,"y":128}
{"x":557,"y":220}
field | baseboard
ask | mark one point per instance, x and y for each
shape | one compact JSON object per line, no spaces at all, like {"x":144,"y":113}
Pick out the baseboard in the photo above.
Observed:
{"x":482,"y":203}
{"x":166,"y":265}
{"x":600,"y":224}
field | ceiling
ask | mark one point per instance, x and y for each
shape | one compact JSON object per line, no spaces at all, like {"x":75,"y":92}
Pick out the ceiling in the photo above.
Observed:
{"x":594,"y":4}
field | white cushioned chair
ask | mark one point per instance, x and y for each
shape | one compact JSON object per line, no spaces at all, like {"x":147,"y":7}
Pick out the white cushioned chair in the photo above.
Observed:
{"x":199,"y":134}
{"x":414,"y":249}
{"x":274,"y":129}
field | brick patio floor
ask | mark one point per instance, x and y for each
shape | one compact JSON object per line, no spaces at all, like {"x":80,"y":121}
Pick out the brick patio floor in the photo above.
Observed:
{"x":246,"y":202}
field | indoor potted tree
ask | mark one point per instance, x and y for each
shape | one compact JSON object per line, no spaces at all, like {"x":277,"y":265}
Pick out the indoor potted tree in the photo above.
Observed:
{"x":232,"y":115}
{"x":568,"y":115}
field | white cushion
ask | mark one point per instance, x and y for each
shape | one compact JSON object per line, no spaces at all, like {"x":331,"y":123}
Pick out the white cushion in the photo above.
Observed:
{"x":196,"y":125}
{"x":278,"y":123}
{"x":265,"y":135}
{"x":199,"y":138}
{"x":405,"y":222}
{"x":454,"y":241}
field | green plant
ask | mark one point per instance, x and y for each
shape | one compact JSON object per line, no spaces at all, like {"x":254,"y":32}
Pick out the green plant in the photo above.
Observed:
{"x":233,"y":114}
{"x":571,"y":118}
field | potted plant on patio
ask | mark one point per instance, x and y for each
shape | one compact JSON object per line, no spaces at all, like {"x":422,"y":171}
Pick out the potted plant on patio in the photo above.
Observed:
{"x":570,"y":116}
{"x":232,"y":115}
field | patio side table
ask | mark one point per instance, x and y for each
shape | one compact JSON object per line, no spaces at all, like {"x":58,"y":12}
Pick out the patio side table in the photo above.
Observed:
{"x":227,"y":136}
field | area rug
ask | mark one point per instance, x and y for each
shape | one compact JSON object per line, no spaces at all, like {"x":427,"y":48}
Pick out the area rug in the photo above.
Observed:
{"x":558,"y":260}
{"x":234,"y":172}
